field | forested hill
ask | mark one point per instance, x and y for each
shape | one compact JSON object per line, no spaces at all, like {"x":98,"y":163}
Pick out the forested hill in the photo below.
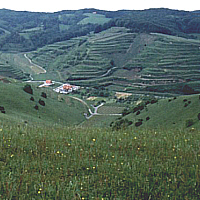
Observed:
{"x":25,"y":31}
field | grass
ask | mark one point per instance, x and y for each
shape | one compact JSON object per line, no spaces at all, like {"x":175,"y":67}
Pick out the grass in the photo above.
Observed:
{"x":76,"y":163}
{"x":19,"y":108}
{"x":169,"y":113}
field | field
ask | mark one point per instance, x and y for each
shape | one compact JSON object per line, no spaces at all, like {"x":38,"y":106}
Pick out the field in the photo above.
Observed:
{"x":76,"y":163}
{"x":94,"y":18}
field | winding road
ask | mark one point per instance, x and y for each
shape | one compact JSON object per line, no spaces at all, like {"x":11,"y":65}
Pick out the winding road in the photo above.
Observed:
{"x":95,"y":109}
{"x":76,"y":98}
{"x":35,"y":65}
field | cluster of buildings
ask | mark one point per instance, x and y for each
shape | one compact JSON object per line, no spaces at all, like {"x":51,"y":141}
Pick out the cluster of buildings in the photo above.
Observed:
{"x":66,"y":88}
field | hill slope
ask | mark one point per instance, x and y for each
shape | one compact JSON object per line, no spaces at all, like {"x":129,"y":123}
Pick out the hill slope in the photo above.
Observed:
{"x":172,"y":113}
{"x":20,"y":106}
{"x":120,"y":60}
{"x":25,"y":31}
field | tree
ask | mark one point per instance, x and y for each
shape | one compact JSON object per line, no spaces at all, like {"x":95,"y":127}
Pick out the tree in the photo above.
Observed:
{"x":41,"y":102}
{"x":198,"y":116}
{"x":189,"y":122}
{"x":44,"y":95}
{"x":27,"y":88}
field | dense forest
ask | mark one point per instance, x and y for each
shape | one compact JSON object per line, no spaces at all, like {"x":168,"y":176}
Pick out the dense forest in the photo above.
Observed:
{"x":25,"y":31}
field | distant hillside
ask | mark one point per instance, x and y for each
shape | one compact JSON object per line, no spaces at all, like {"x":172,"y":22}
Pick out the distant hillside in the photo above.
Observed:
{"x":119,"y":60}
{"x":25,"y":31}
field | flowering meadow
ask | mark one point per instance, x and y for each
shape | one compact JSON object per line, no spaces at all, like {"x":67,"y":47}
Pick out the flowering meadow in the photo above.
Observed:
{"x":77,"y":163}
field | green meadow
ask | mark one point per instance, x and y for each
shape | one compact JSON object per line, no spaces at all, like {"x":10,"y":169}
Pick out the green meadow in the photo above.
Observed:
{"x":97,"y":163}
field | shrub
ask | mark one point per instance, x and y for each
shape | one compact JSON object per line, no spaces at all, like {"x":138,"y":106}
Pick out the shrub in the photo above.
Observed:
{"x":189,"y":122}
{"x":41,"y":102}
{"x":138,"y":112}
{"x":186,"y":105}
{"x":199,"y":116}
{"x":154,"y":101}
{"x":188,"y":90}
{"x":32,"y":99}
{"x":27,"y":88}
{"x":44,"y":95}
{"x":122,"y":123}
{"x":2,"y":108}
{"x":148,"y":118}
{"x":138,"y":124}
{"x":36,"y":107}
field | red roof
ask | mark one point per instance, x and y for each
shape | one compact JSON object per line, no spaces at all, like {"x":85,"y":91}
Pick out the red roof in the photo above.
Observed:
{"x":67,"y":87}
{"x":48,"y":81}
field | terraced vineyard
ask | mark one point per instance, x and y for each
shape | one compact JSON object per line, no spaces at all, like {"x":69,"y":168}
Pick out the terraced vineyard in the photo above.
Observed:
{"x":11,"y":71}
{"x":125,"y":61}
{"x":169,"y":60}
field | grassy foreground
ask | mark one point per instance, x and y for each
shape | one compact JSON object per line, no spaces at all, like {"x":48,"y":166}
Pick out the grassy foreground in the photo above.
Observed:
{"x":76,"y":163}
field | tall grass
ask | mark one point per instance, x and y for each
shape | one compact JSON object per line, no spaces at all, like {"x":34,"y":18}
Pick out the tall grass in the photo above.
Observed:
{"x":77,"y":163}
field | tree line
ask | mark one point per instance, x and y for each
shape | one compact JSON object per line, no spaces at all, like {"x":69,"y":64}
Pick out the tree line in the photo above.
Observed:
{"x":25,"y":31}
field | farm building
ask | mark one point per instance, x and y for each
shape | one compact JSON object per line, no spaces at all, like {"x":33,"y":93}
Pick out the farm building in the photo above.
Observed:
{"x":48,"y":81}
{"x":67,"y":87}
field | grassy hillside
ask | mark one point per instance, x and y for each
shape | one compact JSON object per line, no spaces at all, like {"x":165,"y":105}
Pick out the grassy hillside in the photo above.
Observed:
{"x":20,"y":107}
{"x":75,"y":163}
{"x":179,"y":112}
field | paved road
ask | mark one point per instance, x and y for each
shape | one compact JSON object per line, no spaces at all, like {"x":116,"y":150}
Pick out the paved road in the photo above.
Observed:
{"x":95,"y":109}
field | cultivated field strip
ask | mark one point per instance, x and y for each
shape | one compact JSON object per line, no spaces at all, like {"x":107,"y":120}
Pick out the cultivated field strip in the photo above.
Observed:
{"x":168,"y":60}
{"x":10,"y":71}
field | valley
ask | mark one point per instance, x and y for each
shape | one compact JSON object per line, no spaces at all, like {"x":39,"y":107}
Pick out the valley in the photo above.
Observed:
{"x":114,"y":61}
{"x":100,"y":104}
